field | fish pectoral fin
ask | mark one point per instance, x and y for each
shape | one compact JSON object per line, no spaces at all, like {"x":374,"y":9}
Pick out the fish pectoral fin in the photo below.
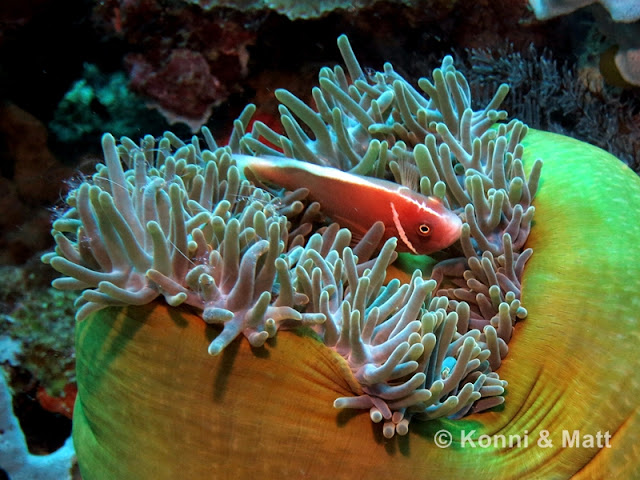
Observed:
{"x":248,"y":174}
{"x":356,"y":237}
{"x":271,"y":187}
{"x":365,"y":244}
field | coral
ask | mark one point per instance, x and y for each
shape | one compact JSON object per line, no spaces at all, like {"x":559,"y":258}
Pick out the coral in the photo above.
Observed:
{"x":37,"y":342}
{"x":15,"y":458}
{"x":621,"y":27}
{"x":551,"y":95}
{"x":10,"y":350}
{"x":620,"y":10}
{"x":181,"y":59}
{"x":296,"y":10}
{"x":15,"y":123}
{"x":628,"y":63}
{"x":624,"y":38}
{"x":184,"y":89}
{"x":95,"y":103}
{"x":42,"y":324}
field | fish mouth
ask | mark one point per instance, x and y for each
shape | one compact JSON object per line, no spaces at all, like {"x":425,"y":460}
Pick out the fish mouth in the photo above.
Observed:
{"x":452,"y":231}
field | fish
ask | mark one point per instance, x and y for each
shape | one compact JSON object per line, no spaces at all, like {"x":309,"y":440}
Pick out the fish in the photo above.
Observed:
{"x":422,"y":224}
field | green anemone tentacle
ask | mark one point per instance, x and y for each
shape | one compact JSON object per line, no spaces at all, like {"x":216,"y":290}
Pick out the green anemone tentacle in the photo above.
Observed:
{"x":153,"y":404}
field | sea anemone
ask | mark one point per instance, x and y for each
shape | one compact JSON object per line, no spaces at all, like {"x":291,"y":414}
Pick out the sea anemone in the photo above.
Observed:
{"x":218,"y":244}
{"x":182,"y":224}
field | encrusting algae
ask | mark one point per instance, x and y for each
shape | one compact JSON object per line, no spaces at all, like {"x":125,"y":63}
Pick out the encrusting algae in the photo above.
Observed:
{"x":181,"y":222}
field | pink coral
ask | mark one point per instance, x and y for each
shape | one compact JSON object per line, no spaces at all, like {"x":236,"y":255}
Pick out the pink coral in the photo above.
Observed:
{"x":183,"y":89}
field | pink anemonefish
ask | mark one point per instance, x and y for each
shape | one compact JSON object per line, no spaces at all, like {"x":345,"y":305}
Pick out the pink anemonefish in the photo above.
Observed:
{"x":422,"y":224}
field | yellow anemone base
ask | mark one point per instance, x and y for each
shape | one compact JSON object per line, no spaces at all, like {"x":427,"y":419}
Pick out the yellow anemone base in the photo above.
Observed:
{"x":152,"y":404}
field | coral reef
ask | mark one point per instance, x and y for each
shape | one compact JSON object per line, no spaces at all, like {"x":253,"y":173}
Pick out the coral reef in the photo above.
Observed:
{"x":15,"y":458}
{"x":37,"y":353}
{"x":218,"y":48}
{"x":297,"y":10}
{"x":183,"y":87}
{"x":98,"y":102}
{"x":42,"y":325}
{"x":184,"y":61}
{"x":622,"y":27}
{"x":242,"y":51}
{"x":625,"y":46}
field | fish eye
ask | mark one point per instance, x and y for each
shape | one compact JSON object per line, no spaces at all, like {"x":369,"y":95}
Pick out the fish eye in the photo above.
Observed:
{"x":424,"y":229}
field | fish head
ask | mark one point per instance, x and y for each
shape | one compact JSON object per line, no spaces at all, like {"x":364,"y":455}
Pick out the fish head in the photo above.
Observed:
{"x":423,"y":224}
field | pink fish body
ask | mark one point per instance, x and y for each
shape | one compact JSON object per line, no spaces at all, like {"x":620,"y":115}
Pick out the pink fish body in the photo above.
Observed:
{"x":422,"y":224}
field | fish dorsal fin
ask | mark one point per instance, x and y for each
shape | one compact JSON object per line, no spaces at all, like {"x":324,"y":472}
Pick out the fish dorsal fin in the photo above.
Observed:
{"x":409,"y":175}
